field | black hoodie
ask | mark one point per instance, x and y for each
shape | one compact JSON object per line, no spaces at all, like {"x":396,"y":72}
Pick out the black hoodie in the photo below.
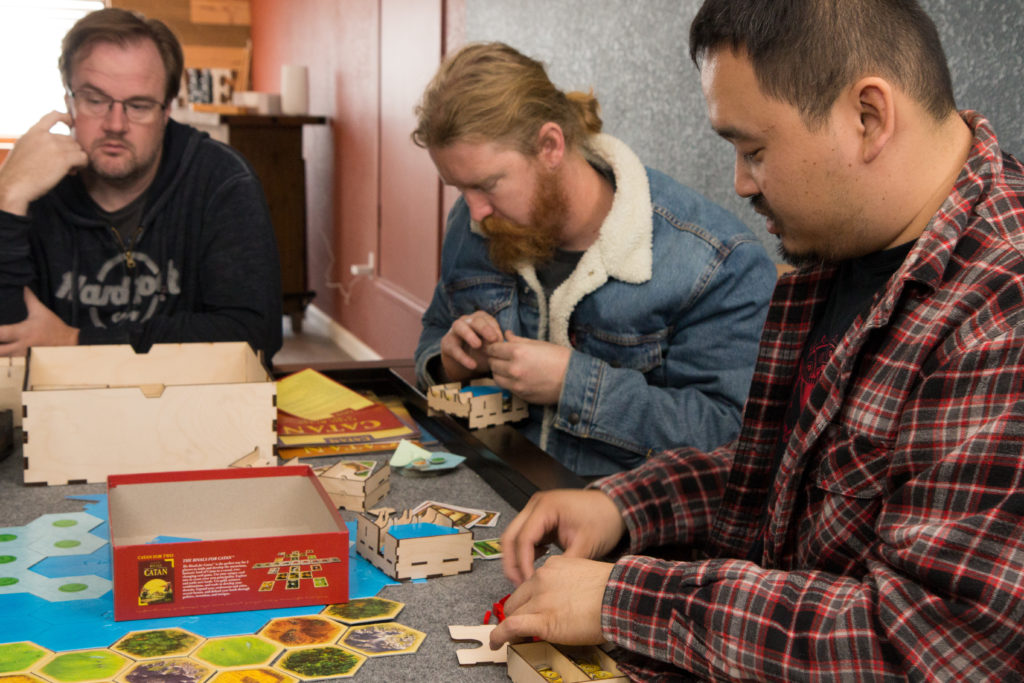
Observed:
{"x":203,"y":268}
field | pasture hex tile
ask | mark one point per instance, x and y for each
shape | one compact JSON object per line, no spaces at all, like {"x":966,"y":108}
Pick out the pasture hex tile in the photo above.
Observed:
{"x":229,"y":652}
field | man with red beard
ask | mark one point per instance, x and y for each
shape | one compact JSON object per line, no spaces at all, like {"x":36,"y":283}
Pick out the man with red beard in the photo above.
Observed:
{"x":133,"y":229}
{"x":624,"y":307}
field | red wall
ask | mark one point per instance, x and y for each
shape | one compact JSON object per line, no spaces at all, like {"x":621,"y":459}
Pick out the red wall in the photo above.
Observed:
{"x":340,"y":42}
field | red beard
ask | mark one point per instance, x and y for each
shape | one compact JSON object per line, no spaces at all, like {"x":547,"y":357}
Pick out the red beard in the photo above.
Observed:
{"x":512,"y":244}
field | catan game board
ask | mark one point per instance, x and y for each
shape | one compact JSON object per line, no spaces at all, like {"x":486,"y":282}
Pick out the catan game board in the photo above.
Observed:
{"x":56,"y":618}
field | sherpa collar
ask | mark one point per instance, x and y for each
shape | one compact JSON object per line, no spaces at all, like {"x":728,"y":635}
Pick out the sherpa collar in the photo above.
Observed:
{"x":623,"y":247}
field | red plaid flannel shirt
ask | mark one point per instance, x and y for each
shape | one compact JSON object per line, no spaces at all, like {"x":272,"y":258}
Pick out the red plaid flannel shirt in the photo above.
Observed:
{"x":894,"y":545}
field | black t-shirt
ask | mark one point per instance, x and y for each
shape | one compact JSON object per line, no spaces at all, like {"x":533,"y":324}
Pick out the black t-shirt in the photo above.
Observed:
{"x":127,"y":220}
{"x":856,"y":283}
{"x":554,"y":272}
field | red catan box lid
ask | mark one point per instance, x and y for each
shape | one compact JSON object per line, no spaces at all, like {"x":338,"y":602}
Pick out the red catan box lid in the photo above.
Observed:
{"x":224,"y":540}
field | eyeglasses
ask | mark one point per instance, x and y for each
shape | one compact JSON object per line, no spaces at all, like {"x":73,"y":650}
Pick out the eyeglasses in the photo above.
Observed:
{"x":136,"y":109}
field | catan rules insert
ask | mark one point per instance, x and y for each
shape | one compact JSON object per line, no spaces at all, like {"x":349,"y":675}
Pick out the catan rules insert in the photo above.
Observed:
{"x":197,"y":542}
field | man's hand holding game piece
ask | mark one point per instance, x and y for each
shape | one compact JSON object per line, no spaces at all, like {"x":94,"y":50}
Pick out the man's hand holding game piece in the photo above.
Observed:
{"x":560,"y":603}
{"x":529,"y":368}
{"x":464,"y":346}
{"x":584,"y":523}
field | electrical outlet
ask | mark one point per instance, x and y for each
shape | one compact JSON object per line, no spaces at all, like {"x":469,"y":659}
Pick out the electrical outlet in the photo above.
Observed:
{"x":363,"y":268}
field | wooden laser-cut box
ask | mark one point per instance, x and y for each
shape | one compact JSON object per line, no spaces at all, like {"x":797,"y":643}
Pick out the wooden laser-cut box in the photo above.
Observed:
{"x":93,"y":411}
{"x":482,"y":403}
{"x":414,"y":558}
{"x":12,"y":376}
{"x":526,"y":660}
{"x":355,"y":484}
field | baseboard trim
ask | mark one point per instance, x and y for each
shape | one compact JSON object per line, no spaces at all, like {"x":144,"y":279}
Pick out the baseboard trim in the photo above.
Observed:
{"x":319,"y":322}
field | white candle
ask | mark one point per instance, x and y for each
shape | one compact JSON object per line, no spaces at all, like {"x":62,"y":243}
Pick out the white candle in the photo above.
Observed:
{"x":294,"y":89}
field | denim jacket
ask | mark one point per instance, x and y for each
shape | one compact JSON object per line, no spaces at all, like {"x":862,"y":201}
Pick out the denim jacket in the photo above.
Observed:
{"x":663,"y":314}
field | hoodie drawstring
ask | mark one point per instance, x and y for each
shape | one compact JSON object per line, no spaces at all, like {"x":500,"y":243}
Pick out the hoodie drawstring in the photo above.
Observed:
{"x":129,"y":259}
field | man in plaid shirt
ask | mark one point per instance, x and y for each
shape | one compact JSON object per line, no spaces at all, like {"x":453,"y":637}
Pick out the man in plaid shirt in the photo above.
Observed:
{"x":868,"y":523}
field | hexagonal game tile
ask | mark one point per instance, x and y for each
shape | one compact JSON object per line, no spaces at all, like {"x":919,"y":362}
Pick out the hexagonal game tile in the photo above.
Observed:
{"x":162,"y":643}
{"x":64,"y":534}
{"x":237,"y":651}
{"x":364,"y":610}
{"x":379,"y":640}
{"x":317,"y":662}
{"x":20,"y":657}
{"x":21,"y":678}
{"x":84,"y":666}
{"x":261,"y":675}
{"x":67,"y":588}
{"x":167,"y":670}
{"x":58,"y":523}
{"x":15,"y":562}
{"x":296,"y":631}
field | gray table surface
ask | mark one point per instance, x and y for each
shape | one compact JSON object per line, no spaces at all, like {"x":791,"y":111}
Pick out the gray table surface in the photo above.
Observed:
{"x":430,"y":606}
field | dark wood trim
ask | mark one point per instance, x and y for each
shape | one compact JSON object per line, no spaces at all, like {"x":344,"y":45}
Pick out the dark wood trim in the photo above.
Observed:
{"x":510,"y":464}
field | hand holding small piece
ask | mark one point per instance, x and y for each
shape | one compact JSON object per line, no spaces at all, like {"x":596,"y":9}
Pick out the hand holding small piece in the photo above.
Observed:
{"x":560,"y":603}
{"x":529,"y":368}
{"x":584,"y":523}
{"x":464,"y":346}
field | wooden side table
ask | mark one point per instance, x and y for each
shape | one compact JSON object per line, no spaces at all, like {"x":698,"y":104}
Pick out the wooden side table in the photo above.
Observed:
{"x":273,"y":146}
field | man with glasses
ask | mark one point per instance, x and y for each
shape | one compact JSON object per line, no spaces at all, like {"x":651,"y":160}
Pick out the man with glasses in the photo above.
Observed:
{"x":133,"y":229}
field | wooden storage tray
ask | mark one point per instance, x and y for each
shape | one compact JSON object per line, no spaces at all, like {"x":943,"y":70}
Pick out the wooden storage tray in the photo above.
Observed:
{"x":93,"y":411}
{"x":413,"y":558}
{"x":524,"y":659}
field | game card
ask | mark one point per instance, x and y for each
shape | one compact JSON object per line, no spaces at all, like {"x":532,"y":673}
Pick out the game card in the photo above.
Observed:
{"x":487,"y":549}
{"x":462,"y":516}
{"x":489,"y":519}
